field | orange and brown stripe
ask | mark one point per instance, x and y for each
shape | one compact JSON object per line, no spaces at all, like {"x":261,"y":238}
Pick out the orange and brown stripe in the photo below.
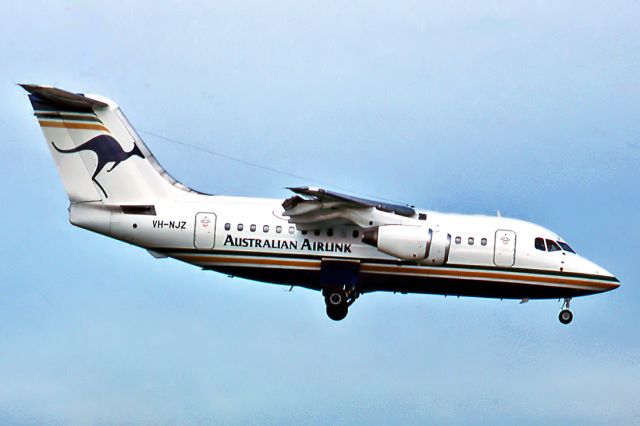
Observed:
{"x":251,"y":260}
{"x":488,"y":275}
{"x":73,"y":125}
{"x":70,"y":120}
{"x":471,"y":274}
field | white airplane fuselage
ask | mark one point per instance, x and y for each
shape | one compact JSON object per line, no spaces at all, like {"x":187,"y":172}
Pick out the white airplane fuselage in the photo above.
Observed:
{"x":339,"y":244}
{"x":250,"y":238}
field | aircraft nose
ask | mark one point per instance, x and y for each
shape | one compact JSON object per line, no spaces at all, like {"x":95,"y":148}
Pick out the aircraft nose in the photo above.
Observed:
{"x":615,"y":283}
{"x":585,"y":266}
{"x":612,"y":283}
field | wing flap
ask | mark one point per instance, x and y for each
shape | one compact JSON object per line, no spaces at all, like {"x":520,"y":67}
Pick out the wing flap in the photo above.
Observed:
{"x":327,"y":196}
{"x":315,"y":207}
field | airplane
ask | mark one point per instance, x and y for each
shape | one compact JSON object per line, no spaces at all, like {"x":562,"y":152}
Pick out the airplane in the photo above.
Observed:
{"x":341,"y":245}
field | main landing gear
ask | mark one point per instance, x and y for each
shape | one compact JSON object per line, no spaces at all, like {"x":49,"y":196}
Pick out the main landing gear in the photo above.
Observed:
{"x":338,"y":302}
{"x":566,"y":316}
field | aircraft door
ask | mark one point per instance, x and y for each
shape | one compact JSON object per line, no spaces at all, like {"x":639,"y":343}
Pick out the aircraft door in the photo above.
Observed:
{"x":204,"y":231}
{"x":504,"y":253}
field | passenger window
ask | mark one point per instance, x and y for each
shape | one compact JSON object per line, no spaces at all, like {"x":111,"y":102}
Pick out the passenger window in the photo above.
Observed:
{"x":483,"y":241}
{"x":227,"y":226}
{"x":471,"y":241}
{"x":539,"y":244}
{"x":329,"y":232}
{"x":292,"y":230}
{"x":316,"y":232}
{"x":240,"y":227}
{"x":552,"y":246}
{"x":278,"y":229}
{"x":304,"y":232}
{"x":265,"y":228}
{"x":252,"y":228}
{"x":458,"y":240}
{"x":356,"y":234}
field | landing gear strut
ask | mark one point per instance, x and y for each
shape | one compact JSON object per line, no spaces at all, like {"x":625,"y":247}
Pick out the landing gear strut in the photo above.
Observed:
{"x":338,"y":302}
{"x":566,"y":316}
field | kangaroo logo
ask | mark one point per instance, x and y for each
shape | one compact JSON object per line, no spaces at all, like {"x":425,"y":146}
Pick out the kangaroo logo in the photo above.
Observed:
{"x":108,"y":150}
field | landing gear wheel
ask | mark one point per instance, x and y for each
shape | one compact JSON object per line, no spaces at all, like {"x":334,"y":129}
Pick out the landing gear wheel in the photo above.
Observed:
{"x":337,"y":313}
{"x":566,"y":316}
{"x":336,"y":299}
{"x":337,"y":302}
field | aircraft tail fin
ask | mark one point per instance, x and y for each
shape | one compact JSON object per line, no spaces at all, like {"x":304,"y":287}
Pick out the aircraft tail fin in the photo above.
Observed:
{"x":99,"y":155}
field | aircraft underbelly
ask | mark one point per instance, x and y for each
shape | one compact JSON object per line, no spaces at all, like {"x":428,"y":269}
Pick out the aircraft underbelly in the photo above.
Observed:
{"x":370,"y":282}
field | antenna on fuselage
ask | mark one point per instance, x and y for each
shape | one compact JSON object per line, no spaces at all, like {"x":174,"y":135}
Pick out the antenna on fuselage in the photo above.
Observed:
{"x":498,"y":211}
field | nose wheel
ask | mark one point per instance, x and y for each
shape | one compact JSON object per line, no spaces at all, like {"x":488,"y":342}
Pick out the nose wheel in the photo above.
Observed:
{"x":566,"y":316}
{"x":338,"y":302}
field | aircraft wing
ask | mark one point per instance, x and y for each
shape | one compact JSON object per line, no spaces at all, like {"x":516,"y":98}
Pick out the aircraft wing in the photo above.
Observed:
{"x":312,"y":208}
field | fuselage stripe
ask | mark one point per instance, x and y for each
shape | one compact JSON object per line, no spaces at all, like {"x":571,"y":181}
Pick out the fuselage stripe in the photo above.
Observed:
{"x":478,"y":274}
{"x":214,"y":260}
{"x":377,"y":261}
{"x":255,"y":261}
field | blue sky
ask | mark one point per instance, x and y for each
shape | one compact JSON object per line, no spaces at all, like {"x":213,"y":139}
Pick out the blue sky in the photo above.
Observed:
{"x":529,"y":108}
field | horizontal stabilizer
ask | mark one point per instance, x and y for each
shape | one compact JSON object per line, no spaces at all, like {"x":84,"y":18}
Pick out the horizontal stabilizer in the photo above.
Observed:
{"x":62,"y":98}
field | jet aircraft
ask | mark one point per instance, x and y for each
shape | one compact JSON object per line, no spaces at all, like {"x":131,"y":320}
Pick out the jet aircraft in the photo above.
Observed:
{"x":338,"y":244}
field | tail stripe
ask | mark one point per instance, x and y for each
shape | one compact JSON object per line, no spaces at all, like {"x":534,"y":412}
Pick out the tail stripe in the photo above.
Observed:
{"x":71,"y":117}
{"x":62,"y":124}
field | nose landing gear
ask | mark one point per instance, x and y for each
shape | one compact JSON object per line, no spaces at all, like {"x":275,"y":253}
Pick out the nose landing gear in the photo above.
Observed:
{"x":566,"y":316}
{"x":338,"y":302}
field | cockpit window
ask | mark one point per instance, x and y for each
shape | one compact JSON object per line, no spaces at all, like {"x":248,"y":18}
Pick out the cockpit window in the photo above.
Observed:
{"x":566,"y":247}
{"x":553,"y":246}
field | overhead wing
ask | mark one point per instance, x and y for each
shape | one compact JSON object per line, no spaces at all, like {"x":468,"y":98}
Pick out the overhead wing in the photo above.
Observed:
{"x":315,"y":207}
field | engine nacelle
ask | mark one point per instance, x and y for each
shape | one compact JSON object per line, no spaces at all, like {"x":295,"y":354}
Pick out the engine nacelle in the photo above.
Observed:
{"x":406,"y":242}
{"x":439,"y":248}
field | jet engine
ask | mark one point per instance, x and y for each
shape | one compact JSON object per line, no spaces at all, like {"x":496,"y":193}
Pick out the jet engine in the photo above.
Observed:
{"x":406,"y":242}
